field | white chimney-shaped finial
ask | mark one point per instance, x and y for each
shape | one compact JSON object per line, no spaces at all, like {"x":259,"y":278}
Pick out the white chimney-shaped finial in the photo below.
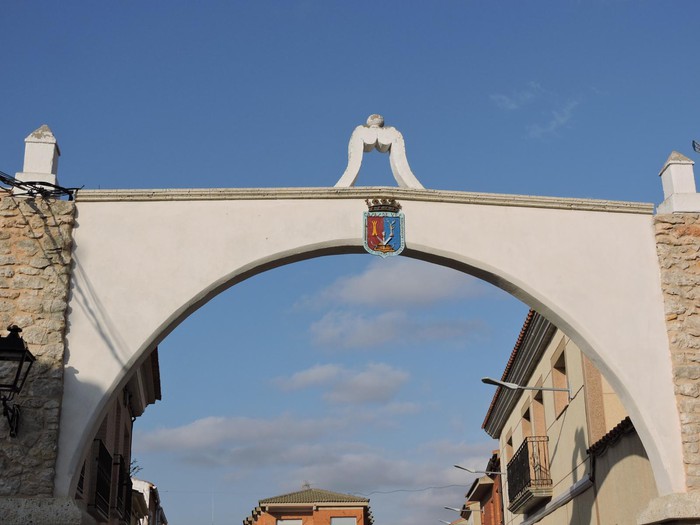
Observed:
{"x":40,"y":157}
{"x":678,"y":182}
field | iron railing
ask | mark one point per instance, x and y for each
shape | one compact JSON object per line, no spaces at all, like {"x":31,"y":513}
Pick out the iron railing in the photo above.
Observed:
{"x":529,"y":468}
{"x":102,"y":481}
{"x":122,"y":502}
{"x":81,"y":484}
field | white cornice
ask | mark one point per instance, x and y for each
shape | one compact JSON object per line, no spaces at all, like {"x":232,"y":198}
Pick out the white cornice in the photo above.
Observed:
{"x":458,"y":197}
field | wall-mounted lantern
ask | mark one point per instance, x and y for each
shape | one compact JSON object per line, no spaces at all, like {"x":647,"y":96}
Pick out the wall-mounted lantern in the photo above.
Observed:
{"x":15,"y":362}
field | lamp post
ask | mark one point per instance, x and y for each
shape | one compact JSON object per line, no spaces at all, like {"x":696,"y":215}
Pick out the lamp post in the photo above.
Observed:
{"x":492,"y":472}
{"x":15,"y":362}
{"x":514,"y":386}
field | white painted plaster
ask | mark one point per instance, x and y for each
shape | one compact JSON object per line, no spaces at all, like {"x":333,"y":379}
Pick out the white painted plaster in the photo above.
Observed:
{"x":143,"y":265}
{"x":374,"y":135}
{"x":678,"y":181}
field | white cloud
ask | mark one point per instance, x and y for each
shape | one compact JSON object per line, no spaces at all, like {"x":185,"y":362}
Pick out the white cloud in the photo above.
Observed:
{"x":517,"y":99}
{"x":343,"y":330}
{"x":559,"y":118}
{"x":211,"y":432}
{"x":314,"y":376}
{"x":399,"y":282}
{"x":378,"y":383}
{"x":369,"y":471}
{"x":373,"y":472}
{"x":285,"y":451}
{"x":398,"y":409}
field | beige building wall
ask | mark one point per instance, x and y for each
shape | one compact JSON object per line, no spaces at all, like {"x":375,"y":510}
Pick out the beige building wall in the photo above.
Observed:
{"x":623,"y":481}
{"x":564,"y":420}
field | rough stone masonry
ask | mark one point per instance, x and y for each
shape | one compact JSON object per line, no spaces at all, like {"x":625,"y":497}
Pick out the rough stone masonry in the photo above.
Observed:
{"x":678,"y":248}
{"x":35,"y":266}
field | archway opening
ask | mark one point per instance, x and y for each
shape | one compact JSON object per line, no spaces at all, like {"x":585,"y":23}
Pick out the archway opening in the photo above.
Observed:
{"x":363,"y":381}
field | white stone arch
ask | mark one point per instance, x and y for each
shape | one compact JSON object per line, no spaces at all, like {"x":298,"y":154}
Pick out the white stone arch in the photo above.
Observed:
{"x":144,"y":260}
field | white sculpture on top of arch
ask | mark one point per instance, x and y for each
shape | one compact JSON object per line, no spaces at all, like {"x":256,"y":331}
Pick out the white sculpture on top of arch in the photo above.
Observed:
{"x":375,"y":135}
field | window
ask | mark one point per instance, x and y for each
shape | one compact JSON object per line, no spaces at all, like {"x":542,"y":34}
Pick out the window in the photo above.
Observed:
{"x":344,"y":520}
{"x":538,"y":415}
{"x":560,"y":380}
{"x":527,"y":424}
{"x":509,"y":448}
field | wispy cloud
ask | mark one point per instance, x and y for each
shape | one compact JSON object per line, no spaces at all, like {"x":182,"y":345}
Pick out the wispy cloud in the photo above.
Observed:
{"x":375,"y":383}
{"x":346,"y":329}
{"x":378,"y":383}
{"x":373,"y":472}
{"x":400,"y":282}
{"x":559,"y":118}
{"x":282,"y":451}
{"x":517,"y":99}
{"x":343,"y":329}
{"x":211,"y":432}
{"x":314,"y":376}
{"x":311,"y":447}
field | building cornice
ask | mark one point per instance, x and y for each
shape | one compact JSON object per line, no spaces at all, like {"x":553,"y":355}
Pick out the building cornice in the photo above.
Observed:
{"x":532,"y":343}
{"x":457,"y":197}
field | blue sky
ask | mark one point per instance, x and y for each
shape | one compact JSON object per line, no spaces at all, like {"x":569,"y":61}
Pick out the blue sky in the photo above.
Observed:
{"x":275,"y":381}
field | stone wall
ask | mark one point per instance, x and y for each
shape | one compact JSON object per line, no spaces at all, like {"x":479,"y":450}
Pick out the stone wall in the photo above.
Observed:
{"x":678,"y":247}
{"x":35,"y":260}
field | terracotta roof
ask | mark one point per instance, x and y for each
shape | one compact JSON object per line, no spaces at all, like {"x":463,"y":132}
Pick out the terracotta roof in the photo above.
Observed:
{"x":511,"y":360}
{"x":313,"y":496}
{"x":612,"y":437}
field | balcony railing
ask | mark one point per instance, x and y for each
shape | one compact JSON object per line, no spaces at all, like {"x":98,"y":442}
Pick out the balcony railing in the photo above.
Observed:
{"x":81,"y":484}
{"x":102,"y":484}
{"x":122,"y":502}
{"x":529,"y":480}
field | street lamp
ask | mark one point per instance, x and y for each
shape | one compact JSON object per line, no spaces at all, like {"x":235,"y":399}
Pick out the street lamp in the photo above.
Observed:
{"x":513,"y":386}
{"x":15,"y":362}
{"x":492,"y":472}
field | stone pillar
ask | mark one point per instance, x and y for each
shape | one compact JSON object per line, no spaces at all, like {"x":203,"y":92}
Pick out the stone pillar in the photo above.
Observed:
{"x":35,"y":269}
{"x":677,"y":227}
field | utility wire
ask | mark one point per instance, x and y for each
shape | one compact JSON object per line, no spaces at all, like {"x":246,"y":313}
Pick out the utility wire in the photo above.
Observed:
{"x":394,"y":491}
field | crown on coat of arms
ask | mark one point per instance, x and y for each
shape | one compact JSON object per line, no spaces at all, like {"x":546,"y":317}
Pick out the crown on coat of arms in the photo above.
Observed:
{"x":379,"y":204}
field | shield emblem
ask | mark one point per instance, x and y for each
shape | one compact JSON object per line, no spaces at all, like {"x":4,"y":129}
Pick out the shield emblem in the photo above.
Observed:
{"x":384,"y":230}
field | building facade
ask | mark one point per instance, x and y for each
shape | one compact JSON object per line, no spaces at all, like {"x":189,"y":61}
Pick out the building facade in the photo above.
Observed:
{"x":146,"y":506}
{"x":569,"y":457}
{"x":311,"y":506}
{"x":484,"y":501}
{"x":105,"y":488}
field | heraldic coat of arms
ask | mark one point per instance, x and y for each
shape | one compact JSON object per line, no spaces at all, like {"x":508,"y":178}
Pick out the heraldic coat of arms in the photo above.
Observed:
{"x":384,"y":227}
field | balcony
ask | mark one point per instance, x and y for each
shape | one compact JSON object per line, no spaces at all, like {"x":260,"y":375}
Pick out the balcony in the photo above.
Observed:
{"x":121,"y":481}
{"x":529,"y":481}
{"x":102,"y":482}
